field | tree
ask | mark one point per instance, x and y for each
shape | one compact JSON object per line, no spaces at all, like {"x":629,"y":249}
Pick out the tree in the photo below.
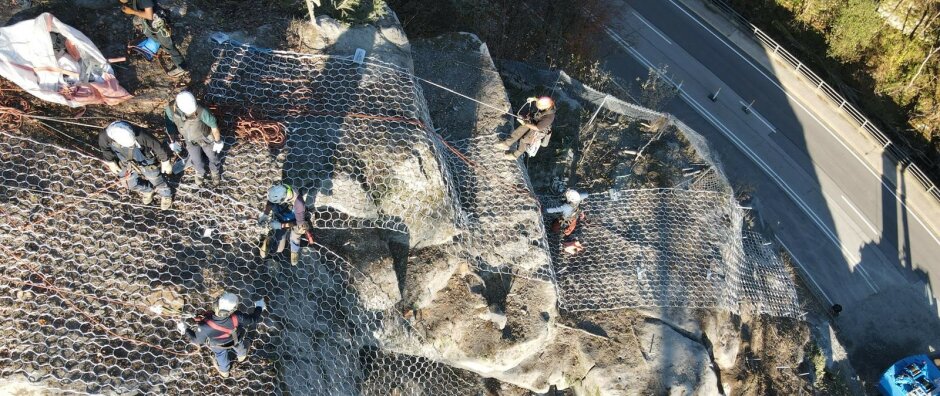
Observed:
{"x":854,"y":30}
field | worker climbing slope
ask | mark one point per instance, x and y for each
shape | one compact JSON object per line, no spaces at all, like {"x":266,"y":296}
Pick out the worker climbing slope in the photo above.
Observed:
{"x":132,"y":155}
{"x":224,"y":330}
{"x":536,"y":128}
{"x":287,"y":213}
{"x":156,"y":27}
{"x":198,"y":130}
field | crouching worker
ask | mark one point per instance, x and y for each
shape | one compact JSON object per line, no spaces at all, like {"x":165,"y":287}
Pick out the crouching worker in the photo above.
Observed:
{"x":223,"y":330}
{"x":536,"y":128}
{"x":571,"y":214}
{"x":132,"y":155}
{"x":287,"y":217}
{"x":199,"y":129}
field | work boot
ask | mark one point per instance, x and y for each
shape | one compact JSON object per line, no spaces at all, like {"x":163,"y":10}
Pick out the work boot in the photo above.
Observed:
{"x":242,"y":358}
{"x":294,"y":258}
{"x":198,"y":182}
{"x":502,"y":145}
{"x":218,"y":369}
{"x":176,"y":72}
{"x":166,"y":203}
{"x":147,"y":198}
{"x":510,"y":156}
{"x":216,"y":180}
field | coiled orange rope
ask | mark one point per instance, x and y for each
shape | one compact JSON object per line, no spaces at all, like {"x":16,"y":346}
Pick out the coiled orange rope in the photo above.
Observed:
{"x":12,"y":107}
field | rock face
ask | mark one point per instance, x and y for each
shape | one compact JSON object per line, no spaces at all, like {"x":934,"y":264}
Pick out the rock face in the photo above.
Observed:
{"x":500,"y":325}
{"x":671,"y":364}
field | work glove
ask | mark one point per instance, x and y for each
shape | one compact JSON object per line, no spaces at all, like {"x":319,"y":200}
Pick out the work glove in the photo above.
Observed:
{"x":261,"y":305}
{"x":166,"y":167}
{"x":113,"y":167}
{"x":276,"y":225}
{"x":531,"y":99}
{"x":181,"y":327}
{"x":217,"y":146}
{"x":176,"y":147}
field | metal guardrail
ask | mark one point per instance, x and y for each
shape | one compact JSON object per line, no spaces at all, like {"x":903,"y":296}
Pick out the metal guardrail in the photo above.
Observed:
{"x":900,"y":154}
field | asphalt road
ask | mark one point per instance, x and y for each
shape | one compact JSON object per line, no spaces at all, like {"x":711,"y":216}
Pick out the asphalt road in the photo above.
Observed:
{"x":864,"y":235}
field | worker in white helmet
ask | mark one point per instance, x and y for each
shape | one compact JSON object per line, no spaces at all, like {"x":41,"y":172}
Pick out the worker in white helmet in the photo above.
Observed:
{"x":195,"y":126}
{"x":131,"y":155}
{"x":286,"y":211}
{"x":570,"y":212}
{"x":536,"y":128}
{"x":224,"y":330}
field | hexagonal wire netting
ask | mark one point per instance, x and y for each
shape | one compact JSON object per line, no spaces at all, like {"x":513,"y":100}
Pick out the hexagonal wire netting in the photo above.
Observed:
{"x":359,"y":141}
{"x":670,"y":248}
{"x":86,"y":263}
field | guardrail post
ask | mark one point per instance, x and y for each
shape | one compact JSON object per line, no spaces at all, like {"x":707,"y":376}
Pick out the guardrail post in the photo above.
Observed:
{"x":777,"y":48}
{"x":842,"y":105}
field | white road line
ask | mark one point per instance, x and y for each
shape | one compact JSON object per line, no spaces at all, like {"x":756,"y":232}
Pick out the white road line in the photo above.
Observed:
{"x":802,"y":267}
{"x":854,"y":209}
{"x":759,"y":117}
{"x":754,"y":157}
{"x":813,"y":115}
{"x":650,"y":25}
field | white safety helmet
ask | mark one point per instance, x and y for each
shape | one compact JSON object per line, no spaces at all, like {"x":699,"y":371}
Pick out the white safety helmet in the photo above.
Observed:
{"x":573,"y":196}
{"x":186,"y":102}
{"x":544,"y":103}
{"x":227,"y":302}
{"x":122,"y":133}
{"x":280,"y":193}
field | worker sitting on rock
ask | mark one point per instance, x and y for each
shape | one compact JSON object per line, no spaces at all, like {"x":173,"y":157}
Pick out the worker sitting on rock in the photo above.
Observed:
{"x":199,"y":130}
{"x":536,"y":127}
{"x":570,"y":212}
{"x":224,"y":330}
{"x":131,"y":155}
{"x":288,"y":212}
{"x":157,"y":28}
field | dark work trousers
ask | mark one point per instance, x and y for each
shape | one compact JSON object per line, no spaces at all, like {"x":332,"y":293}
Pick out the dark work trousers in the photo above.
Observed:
{"x":525,"y":136}
{"x":221,"y":354}
{"x":195,"y":157}
{"x":155,"y":181}
{"x":162,"y":37}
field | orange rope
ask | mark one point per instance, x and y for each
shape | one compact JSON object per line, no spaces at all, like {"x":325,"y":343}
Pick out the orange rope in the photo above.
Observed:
{"x":270,"y":133}
{"x":52,"y":287}
{"x":12,"y":107}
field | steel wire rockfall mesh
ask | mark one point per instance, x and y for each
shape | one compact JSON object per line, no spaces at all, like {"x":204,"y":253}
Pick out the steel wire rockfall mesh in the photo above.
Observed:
{"x":85,"y":265}
{"x":359,"y":140}
{"x":668,"y":248}
{"x":765,"y":280}
{"x":504,"y":231}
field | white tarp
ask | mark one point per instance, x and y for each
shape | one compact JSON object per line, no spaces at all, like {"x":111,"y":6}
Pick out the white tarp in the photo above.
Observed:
{"x":81,"y":76}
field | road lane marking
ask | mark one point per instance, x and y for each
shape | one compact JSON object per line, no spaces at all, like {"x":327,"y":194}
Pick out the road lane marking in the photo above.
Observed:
{"x":854,"y":209}
{"x":759,"y":117}
{"x":802,"y":267}
{"x":891,"y":189}
{"x":754,"y":157}
{"x":650,"y":25}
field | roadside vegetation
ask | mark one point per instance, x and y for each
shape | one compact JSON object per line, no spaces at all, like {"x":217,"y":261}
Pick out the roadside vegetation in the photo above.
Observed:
{"x":885,"y":55}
